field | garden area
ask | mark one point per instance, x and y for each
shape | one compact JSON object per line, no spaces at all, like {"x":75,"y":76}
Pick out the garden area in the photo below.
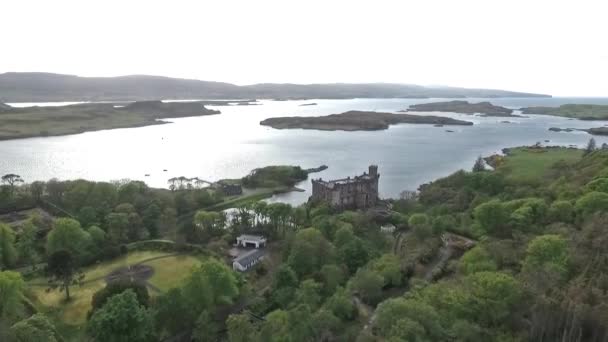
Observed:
{"x":164,"y":271}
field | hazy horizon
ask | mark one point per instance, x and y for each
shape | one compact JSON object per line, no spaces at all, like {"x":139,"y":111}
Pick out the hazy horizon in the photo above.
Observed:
{"x":548,"y":47}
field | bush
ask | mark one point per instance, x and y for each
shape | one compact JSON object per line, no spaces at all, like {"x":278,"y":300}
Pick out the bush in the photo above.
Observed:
{"x":101,"y":297}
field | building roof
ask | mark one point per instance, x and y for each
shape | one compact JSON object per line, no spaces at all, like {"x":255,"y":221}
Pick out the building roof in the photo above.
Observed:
{"x":250,"y":256}
{"x":257,"y":238}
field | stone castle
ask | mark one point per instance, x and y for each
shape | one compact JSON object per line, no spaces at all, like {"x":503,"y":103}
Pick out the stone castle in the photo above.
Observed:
{"x":360,"y":192}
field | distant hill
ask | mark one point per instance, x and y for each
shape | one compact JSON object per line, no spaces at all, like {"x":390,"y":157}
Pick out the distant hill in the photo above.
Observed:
{"x":39,"y":87}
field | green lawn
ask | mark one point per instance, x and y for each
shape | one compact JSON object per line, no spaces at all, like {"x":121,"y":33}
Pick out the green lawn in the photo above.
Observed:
{"x":532,"y":164}
{"x":169,"y":272}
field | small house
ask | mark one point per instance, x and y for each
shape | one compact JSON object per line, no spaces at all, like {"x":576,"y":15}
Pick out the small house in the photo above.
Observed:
{"x":388,"y":228}
{"x":247,"y":240}
{"x":246,"y":261}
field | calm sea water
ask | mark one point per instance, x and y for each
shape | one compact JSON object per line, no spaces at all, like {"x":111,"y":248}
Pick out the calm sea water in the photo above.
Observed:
{"x":233,"y":143}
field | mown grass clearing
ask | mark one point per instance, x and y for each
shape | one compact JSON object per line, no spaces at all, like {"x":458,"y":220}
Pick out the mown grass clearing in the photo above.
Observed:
{"x":533,"y":164}
{"x":169,"y":271}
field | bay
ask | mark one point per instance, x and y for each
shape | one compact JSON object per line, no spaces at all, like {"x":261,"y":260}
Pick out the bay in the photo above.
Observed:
{"x":233,"y":143}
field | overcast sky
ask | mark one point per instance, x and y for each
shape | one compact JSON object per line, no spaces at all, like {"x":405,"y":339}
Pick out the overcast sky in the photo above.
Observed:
{"x":547,"y":46}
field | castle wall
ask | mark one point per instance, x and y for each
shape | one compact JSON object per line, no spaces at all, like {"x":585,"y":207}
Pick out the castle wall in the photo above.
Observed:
{"x":357,"y":193}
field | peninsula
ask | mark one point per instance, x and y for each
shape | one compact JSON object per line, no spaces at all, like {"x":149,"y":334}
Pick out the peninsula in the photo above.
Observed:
{"x":463,"y":107}
{"x":357,"y":121}
{"x":28,"y":122}
{"x":577,"y":111}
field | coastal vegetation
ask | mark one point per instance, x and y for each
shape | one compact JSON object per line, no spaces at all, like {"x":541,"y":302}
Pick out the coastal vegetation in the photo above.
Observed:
{"x":49,"y":121}
{"x":511,"y":253}
{"x":464,"y":107}
{"x":357,"y":121}
{"x":577,"y":111}
{"x":273,"y":176}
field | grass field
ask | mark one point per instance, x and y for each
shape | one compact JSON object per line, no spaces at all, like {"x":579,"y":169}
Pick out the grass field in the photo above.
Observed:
{"x":169,"y":272}
{"x":532,"y":164}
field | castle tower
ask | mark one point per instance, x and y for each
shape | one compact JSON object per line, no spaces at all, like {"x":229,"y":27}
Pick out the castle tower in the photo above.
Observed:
{"x":373,"y":170}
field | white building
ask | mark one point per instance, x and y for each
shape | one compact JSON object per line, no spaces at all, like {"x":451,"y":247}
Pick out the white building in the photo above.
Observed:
{"x":246,"y":240}
{"x":388,"y":228}
{"x":246,"y":261}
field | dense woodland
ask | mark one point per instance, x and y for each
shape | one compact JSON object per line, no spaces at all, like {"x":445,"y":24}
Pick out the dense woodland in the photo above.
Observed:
{"x":538,"y":270}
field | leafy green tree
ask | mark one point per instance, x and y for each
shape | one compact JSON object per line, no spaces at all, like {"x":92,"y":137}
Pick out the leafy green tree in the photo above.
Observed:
{"x":240,"y":329}
{"x":493,"y":296}
{"x":492,"y":217}
{"x":151,"y":217}
{"x":547,"y":252}
{"x":341,"y":304}
{"x":420,"y":223}
{"x":205,"y":329}
{"x":561,"y":211}
{"x":284,"y":286}
{"x":389,"y":268}
{"x":118,"y":227}
{"x":310,"y":251}
{"x":36,"y":328}
{"x":367,"y":284}
{"x":101,"y":297}
{"x":325,"y":325}
{"x":300,"y":323}
{"x":98,"y":236}
{"x":406,"y":318}
{"x":467,"y":331}
{"x":8,"y":253}
{"x":276,"y":327}
{"x":174,"y":312}
{"x":11,"y":294}
{"x":591,"y":146}
{"x":221,"y":280}
{"x":532,"y":212}
{"x":343,"y":236}
{"x":332,"y":276}
{"x":26,"y":245}
{"x":443,"y":223}
{"x":63,"y":272}
{"x":122,"y":318}
{"x":208,"y":223}
{"x":67,"y":235}
{"x":309,"y":293}
{"x":592,"y":202}
{"x":354,"y":254}
{"x":475,"y":260}
{"x":406,"y":329}
{"x":36,"y":190}
{"x":87,"y":216}
{"x":12,"y":180}
{"x":598,"y":184}
{"x":480,"y":165}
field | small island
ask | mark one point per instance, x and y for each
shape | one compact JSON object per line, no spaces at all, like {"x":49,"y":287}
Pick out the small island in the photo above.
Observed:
{"x":463,"y":107}
{"x":29,"y":122}
{"x":308,"y":104}
{"x":357,"y":121}
{"x":576,"y":111}
{"x":593,"y":130}
{"x":597,"y":130}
